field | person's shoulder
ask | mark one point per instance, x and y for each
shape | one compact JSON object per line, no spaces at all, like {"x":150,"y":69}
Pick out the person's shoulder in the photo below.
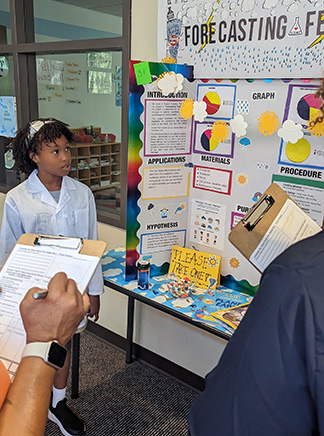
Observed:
{"x":302,"y":260}
{"x":17,"y":190}
{"x":302,"y":252}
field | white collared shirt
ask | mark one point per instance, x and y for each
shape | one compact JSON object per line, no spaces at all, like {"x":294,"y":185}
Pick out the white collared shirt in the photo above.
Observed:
{"x":30,"y":208}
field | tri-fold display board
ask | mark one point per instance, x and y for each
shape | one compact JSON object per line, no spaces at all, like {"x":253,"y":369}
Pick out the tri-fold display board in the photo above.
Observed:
{"x":191,"y":178}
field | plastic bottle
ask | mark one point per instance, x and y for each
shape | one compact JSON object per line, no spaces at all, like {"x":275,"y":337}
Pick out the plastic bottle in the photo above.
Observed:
{"x":143,"y":274}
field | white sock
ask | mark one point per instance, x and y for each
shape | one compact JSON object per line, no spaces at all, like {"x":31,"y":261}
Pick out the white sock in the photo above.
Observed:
{"x":58,"y":395}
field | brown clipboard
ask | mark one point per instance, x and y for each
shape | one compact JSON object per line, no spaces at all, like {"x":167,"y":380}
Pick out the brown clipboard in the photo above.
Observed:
{"x":248,"y":233}
{"x":89,"y":246}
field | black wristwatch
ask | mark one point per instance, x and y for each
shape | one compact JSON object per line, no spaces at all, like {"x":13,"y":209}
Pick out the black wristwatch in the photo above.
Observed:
{"x":51,"y":352}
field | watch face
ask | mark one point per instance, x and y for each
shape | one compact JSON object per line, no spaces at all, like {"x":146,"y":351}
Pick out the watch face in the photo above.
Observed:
{"x":57,"y":354}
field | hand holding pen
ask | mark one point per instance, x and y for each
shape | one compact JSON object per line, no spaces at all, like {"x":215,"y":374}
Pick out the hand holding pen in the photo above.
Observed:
{"x":54,"y":313}
{"x":40,"y":295}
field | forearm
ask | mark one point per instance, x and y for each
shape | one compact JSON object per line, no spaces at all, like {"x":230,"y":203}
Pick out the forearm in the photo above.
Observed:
{"x":28,"y":396}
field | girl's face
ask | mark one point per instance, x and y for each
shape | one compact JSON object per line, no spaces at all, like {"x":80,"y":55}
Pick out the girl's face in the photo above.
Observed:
{"x":53,"y":159}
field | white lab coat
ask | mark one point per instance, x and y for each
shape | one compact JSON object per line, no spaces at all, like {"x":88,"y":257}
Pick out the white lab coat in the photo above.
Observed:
{"x":30,"y":208}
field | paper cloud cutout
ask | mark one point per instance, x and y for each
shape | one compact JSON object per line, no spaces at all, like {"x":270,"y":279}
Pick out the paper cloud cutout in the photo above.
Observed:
{"x":290,"y":131}
{"x":170,"y":82}
{"x":199,"y":110}
{"x":199,"y":291}
{"x":160,"y":299}
{"x":164,"y":288}
{"x":238,"y":125}
{"x":131,"y":285}
{"x":180,"y":82}
{"x":180,"y":303}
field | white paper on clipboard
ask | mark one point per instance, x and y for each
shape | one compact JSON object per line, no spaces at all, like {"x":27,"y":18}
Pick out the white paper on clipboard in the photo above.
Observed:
{"x":291,"y":225}
{"x":26,"y":267}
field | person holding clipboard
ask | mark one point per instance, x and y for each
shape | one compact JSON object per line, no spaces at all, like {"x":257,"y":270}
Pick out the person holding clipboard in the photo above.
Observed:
{"x":270,"y":378}
{"x":50,"y":318}
{"x":51,"y":203}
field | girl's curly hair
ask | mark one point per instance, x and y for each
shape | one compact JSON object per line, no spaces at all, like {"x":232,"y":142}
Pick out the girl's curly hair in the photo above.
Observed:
{"x":27,"y":142}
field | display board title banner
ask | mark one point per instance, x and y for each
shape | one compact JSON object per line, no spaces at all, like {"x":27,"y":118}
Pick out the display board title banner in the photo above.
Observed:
{"x":245,"y":39}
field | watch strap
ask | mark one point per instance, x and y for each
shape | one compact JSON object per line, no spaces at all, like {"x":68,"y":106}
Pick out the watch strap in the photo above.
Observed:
{"x":36,"y":349}
{"x":43,"y":350}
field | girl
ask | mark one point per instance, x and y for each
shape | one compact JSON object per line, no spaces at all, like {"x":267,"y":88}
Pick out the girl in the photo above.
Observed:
{"x":49,"y":202}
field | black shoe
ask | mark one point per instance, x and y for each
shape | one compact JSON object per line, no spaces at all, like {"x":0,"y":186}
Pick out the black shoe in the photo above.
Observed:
{"x":69,"y":423}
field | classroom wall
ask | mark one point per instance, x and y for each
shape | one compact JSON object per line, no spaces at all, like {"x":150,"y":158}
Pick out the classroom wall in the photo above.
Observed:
{"x":144,"y":37}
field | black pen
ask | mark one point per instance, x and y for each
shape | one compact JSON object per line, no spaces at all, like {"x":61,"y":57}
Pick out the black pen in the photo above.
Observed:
{"x":40,"y":295}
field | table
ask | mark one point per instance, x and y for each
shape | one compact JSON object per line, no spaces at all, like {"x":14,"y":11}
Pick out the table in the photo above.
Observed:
{"x":197,"y":309}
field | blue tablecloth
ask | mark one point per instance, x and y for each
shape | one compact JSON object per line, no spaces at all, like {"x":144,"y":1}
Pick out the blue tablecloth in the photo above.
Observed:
{"x":200,"y":305}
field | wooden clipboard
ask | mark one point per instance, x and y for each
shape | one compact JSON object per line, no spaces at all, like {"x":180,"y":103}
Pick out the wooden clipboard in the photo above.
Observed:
{"x":248,"y":233}
{"x":89,"y":246}
{"x":22,"y":277}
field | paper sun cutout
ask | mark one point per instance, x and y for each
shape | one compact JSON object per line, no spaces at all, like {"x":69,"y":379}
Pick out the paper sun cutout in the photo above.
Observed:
{"x":199,"y":111}
{"x":238,"y":126}
{"x":169,"y":60}
{"x":318,"y":128}
{"x":290,"y":131}
{"x":268,"y":123}
{"x":220,"y":131}
{"x":186,"y":109}
{"x":170,"y":82}
{"x":234,"y":262}
{"x":241,"y":179}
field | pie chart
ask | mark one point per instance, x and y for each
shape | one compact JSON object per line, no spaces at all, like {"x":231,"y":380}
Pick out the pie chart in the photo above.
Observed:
{"x":299,"y":151}
{"x":207,"y":142}
{"x":212,"y":101}
{"x":307,"y":106}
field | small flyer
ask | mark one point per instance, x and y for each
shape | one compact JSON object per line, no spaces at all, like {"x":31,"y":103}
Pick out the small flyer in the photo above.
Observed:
{"x":232,"y":316}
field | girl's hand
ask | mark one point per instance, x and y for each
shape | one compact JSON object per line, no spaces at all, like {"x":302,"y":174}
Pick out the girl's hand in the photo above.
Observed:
{"x":94,"y":307}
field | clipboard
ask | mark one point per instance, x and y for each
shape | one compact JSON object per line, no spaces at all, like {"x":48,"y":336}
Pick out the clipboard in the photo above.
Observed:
{"x":61,"y":259}
{"x":30,"y":265}
{"x":89,"y":246}
{"x":249,"y":235}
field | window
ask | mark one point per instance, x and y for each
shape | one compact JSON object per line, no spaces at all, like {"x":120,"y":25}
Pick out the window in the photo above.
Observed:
{"x":5,"y":27}
{"x":70,"y":62}
{"x":63,"y":20}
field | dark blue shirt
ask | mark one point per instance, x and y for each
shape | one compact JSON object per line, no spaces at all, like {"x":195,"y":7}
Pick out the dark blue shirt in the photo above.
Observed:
{"x":270,"y":378}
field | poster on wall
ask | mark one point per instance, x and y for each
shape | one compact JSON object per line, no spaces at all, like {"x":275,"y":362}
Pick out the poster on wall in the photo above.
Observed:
{"x":50,"y":71}
{"x":8,"y":125}
{"x":100,"y":60}
{"x":99,"y":82}
{"x":202,"y":152}
{"x":242,"y":39}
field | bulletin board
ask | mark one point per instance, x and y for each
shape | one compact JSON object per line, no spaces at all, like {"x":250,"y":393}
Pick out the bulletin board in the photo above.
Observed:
{"x":192,"y":178}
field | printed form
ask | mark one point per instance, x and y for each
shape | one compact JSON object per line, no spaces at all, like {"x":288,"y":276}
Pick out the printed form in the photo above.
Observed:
{"x":26,"y":267}
{"x":291,"y":225}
